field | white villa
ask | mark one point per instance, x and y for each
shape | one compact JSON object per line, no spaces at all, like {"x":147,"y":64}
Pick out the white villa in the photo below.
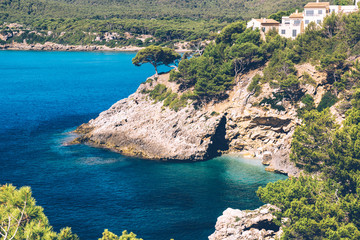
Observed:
{"x":296,"y":23}
{"x":265,"y":25}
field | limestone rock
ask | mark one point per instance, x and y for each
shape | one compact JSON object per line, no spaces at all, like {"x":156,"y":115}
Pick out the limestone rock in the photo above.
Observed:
{"x":137,"y":126}
{"x":247,"y":225}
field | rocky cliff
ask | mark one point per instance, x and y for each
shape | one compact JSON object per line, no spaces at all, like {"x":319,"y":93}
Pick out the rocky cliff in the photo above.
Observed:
{"x":243,"y":124}
{"x":137,"y":126}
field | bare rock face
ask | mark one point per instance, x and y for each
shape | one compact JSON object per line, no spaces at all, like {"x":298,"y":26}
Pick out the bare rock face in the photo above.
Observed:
{"x":242,"y":124}
{"x":247,"y":225}
{"x":136,"y":126}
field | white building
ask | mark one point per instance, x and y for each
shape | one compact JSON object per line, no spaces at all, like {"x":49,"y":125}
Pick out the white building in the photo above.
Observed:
{"x":265,"y":25}
{"x":296,"y":23}
{"x":315,"y":12}
{"x":292,"y":25}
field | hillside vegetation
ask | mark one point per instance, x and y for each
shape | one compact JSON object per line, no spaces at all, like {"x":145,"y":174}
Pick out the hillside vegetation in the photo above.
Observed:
{"x":160,"y":22}
{"x":324,"y":202}
{"x":222,"y":9}
{"x":21,"y":218}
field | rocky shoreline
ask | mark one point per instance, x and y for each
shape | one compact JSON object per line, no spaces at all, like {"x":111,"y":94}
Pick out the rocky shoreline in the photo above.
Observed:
{"x":137,"y":126}
{"x":49,"y":46}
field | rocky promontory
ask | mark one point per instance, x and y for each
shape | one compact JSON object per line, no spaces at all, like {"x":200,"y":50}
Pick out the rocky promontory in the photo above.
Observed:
{"x":141,"y":127}
{"x":136,"y":126}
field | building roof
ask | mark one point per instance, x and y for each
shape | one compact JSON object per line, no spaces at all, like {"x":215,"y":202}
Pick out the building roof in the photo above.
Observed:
{"x":267,"y":21}
{"x":296,"y":15}
{"x":317,"y":5}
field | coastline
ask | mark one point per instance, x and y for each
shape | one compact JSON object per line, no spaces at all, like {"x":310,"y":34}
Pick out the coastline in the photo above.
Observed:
{"x":49,"y":46}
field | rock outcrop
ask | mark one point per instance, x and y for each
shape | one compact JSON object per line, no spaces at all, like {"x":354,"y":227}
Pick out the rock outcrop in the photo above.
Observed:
{"x":247,"y":225}
{"x":137,"y":126}
{"x":244,"y":123}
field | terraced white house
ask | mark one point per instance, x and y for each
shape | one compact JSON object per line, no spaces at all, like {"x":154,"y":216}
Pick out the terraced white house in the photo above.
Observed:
{"x":295,"y":24}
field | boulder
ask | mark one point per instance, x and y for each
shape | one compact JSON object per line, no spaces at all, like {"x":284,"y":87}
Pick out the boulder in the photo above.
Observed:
{"x":248,"y":225}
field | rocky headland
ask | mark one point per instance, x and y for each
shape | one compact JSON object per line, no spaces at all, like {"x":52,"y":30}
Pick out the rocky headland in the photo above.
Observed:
{"x":138,"y":126}
{"x":243,"y":124}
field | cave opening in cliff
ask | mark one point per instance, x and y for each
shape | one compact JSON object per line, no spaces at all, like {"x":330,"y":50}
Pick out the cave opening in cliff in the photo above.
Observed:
{"x":265,"y":224}
{"x":218,"y":141}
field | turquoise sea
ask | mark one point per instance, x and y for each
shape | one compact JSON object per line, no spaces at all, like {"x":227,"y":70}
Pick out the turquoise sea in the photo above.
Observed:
{"x":44,"y":95}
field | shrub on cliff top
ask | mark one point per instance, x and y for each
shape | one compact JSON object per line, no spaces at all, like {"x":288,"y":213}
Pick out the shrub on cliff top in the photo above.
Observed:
{"x":156,"y":56}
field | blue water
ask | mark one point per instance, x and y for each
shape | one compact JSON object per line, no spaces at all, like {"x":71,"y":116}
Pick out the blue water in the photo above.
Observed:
{"x":44,"y":95}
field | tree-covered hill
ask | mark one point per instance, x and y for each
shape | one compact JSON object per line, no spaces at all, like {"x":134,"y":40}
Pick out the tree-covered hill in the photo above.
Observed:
{"x":221,"y":9}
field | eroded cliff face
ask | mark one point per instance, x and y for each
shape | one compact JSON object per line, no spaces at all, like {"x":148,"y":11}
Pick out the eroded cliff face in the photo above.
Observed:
{"x":138,"y":126}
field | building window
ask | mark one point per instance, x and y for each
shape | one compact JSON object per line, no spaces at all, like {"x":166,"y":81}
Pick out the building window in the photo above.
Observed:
{"x":309,"y":12}
{"x":263,"y":29}
{"x":294,"y":33}
{"x":320,"y":12}
{"x":283,"y":31}
{"x":297,"y":22}
{"x":307,"y":21}
{"x":287,"y":22}
{"x":318,"y":21}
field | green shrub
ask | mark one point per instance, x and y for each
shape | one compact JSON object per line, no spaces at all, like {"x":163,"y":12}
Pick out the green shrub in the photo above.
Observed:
{"x":327,"y":100}
{"x":158,"y":92}
{"x":21,"y":218}
{"x":273,"y":102}
{"x":170,"y":99}
{"x":308,"y":79}
{"x":254,"y":85}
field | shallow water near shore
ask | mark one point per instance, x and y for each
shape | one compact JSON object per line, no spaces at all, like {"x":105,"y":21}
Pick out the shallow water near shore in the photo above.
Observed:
{"x":44,"y":95}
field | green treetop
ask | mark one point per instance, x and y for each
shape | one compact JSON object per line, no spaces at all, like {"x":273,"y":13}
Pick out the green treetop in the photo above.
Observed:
{"x":156,"y":56}
{"x":21,"y":218}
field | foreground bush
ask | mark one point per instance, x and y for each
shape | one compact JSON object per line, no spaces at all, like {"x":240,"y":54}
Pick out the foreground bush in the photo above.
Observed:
{"x":21,"y":218}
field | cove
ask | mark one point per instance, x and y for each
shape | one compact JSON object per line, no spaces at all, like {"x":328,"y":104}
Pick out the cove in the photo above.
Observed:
{"x":44,"y":95}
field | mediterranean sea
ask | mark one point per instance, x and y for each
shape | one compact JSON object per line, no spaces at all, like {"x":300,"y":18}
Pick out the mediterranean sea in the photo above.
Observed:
{"x":44,"y":95}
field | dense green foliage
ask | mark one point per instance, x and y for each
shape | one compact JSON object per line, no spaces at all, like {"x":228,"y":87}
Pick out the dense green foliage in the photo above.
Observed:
{"x":210,"y":75}
{"x":278,"y":16}
{"x":92,"y":31}
{"x":172,"y":100}
{"x":238,"y":50}
{"x":327,"y":204}
{"x":327,"y":100}
{"x":311,"y":141}
{"x":254,"y":86}
{"x":324,"y":202}
{"x":107,"y":235}
{"x":167,"y":21}
{"x":156,"y":56}
{"x":313,"y":209}
{"x":21,"y":218}
{"x":105,"y":9}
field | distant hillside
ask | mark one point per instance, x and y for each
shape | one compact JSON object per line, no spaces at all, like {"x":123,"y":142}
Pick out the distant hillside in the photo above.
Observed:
{"x":224,"y":10}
